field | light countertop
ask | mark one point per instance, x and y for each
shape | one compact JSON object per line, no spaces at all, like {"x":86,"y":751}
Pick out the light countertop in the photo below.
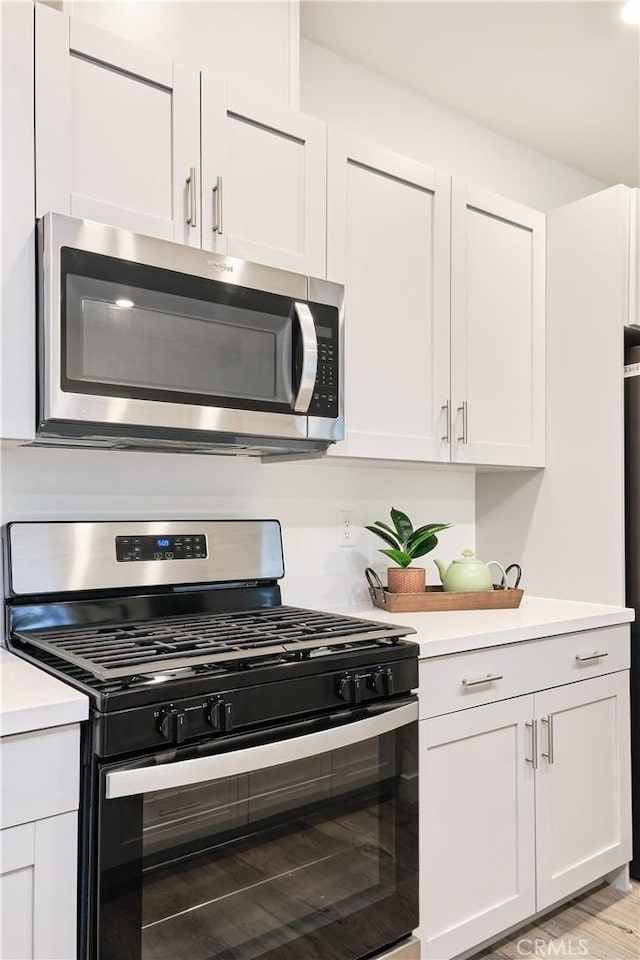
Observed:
{"x":30,"y":699}
{"x":453,"y":631}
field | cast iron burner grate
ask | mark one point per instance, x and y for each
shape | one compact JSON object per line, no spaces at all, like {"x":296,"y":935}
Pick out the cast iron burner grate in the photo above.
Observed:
{"x":126,"y":649}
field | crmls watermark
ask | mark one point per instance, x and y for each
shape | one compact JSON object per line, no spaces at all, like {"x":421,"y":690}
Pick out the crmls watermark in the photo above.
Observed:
{"x":553,"y":948}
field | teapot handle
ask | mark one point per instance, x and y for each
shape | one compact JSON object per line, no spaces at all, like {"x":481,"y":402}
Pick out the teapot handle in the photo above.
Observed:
{"x":501,"y":568}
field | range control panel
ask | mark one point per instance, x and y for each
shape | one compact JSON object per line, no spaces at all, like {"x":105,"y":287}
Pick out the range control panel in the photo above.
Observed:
{"x":191,"y":546}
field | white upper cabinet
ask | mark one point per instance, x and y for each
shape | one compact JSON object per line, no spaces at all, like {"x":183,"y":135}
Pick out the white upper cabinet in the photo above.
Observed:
{"x":388,"y":242}
{"x":444,"y":313}
{"x":117,"y":131}
{"x":263,"y":181}
{"x":497,"y":329}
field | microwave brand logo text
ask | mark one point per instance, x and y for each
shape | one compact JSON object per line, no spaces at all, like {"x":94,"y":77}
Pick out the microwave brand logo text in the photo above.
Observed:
{"x":220,"y":267}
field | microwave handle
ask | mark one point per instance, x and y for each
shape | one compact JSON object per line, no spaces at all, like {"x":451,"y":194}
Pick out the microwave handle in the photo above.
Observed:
{"x":170,"y":776}
{"x":309,"y":358}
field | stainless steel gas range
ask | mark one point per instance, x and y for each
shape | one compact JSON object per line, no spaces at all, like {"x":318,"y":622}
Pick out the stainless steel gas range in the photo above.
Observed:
{"x":249,"y":782}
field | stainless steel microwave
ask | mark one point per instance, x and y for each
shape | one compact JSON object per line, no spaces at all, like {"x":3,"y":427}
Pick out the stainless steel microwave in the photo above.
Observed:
{"x":145,"y":343}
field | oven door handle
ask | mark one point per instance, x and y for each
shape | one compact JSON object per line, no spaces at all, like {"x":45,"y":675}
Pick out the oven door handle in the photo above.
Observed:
{"x":309,"y":370}
{"x":129,"y":783}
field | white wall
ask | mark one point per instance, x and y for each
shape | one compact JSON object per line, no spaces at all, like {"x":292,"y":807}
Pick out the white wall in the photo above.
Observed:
{"x":252,"y":44}
{"x":39,"y":484}
{"x":369,"y":105}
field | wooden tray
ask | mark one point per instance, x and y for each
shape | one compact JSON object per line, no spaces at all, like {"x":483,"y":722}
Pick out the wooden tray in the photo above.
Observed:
{"x":435,"y":598}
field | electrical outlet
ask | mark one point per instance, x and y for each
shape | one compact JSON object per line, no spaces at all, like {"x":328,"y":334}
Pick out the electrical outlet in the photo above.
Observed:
{"x":346,"y":528}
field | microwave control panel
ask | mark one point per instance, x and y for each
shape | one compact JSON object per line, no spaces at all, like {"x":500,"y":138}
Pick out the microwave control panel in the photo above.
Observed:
{"x":324,"y":402}
{"x":191,"y":546}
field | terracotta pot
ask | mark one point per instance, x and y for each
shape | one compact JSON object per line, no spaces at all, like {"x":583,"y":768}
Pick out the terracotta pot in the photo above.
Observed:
{"x":406,"y":579}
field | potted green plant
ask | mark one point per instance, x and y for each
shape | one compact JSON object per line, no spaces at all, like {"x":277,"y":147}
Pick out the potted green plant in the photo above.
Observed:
{"x":406,"y":544}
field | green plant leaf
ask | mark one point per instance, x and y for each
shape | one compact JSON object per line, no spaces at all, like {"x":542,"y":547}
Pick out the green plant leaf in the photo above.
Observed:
{"x":415,"y":542}
{"x":428,"y":528}
{"x":402,"y":559}
{"x":425,"y":546}
{"x":387,"y":537}
{"x":379,"y":523}
{"x":402,"y":524}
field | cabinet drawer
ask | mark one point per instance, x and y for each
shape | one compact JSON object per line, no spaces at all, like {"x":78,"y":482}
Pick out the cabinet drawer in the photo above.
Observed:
{"x":40,"y":774}
{"x":496,"y":673}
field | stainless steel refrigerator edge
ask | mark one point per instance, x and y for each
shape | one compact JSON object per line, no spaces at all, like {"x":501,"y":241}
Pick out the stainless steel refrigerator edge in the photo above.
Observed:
{"x":632,"y":486}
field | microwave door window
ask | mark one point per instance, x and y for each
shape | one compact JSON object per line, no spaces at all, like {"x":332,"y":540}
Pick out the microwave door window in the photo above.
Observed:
{"x":133,"y":342}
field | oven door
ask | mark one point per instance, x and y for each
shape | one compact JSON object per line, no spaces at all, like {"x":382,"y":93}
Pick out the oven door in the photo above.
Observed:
{"x":296,"y":842}
{"x":142,"y":333}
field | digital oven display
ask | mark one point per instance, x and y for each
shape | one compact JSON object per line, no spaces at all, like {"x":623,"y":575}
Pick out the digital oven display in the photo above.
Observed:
{"x":189,"y":546}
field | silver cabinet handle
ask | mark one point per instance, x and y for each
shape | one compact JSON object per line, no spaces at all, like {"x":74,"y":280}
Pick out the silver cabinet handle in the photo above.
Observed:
{"x":533,"y":759}
{"x":309,"y":358}
{"x":167,"y":776}
{"x":447,"y":412}
{"x":217,"y":197}
{"x":549,"y":724}
{"x":465,"y":422}
{"x":590,"y":656}
{"x":192,"y":219}
{"x":490,"y":678}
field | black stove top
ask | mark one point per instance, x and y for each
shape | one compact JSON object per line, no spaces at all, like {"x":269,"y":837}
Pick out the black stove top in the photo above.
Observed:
{"x":167,"y":655}
{"x":166,"y":646}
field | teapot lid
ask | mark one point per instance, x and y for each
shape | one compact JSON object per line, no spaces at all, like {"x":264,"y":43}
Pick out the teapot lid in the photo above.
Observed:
{"x":468,"y":556}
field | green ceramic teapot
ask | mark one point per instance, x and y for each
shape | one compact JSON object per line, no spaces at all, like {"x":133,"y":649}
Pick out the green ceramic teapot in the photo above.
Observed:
{"x":468,"y":573}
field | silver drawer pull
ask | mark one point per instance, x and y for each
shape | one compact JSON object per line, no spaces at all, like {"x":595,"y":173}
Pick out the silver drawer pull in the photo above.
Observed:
{"x":590,"y":656}
{"x":464,"y":409}
{"x":193,"y":200}
{"x":446,"y":409}
{"x":217,"y":195}
{"x":548,"y":721}
{"x":490,"y":678}
{"x":533,"y":759}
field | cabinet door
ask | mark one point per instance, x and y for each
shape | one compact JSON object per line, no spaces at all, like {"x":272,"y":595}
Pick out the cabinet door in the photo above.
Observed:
{"x":583,"y":818}
{"x":264,"y":181}
{"x":497,"y":329}
{"x":38,"y":870}
{"x":477,"y":839}
{"x":117,"y":131}
{"x":388,"y":241}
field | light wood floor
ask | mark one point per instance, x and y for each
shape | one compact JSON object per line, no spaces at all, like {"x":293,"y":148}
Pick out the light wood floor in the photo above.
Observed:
{"x":601,"y":925}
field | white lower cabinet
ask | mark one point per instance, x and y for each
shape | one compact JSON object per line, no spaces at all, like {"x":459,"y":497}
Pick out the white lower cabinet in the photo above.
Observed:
{"x":523,"y":802}
{"x":583,"y":813}
{"x":39,"y":797}
{"x":477,"y":830}
{"x":37,"y":889}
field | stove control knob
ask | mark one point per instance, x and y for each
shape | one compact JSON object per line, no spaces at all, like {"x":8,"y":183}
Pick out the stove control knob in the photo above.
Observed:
{"x":219,"y":714}
{"x":349,"y":688}
{"x":381,"y":681}
{"x":173,"y":726}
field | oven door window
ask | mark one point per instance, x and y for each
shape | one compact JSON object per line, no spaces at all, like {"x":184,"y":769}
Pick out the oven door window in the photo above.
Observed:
{"x":137,"y":332}
{"x":312,"y":858}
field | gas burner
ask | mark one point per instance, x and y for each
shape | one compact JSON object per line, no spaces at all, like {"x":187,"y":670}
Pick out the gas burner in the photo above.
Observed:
{"x":162,"y":649}
{"x":142,"y":637}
